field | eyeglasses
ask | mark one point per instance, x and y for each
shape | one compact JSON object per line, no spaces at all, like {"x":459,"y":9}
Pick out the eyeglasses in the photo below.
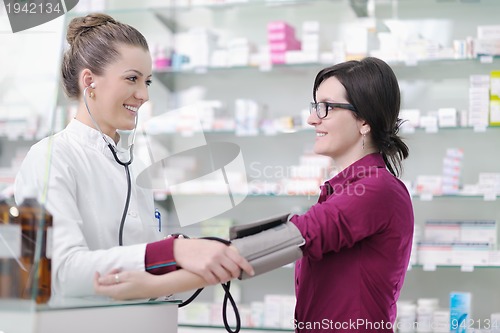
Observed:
{"x":322,"y":108}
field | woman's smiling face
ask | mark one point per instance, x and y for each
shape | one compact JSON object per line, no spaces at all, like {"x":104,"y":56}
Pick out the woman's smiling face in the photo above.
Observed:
{"x":338,"y":134}
{"x":122,"y":89}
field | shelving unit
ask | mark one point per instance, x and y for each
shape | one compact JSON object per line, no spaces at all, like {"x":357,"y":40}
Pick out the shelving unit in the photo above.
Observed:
{"x":426,"y":84}
{"x":285,"y":89}
{"x":199,"y":328}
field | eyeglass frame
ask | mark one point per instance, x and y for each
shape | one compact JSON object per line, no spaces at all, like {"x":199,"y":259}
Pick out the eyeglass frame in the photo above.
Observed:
{"x":332,"y":105}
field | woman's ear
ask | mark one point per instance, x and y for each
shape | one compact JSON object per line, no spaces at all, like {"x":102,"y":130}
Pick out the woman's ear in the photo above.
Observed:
{"x":364,"y":128}
{"x":86,"y":78}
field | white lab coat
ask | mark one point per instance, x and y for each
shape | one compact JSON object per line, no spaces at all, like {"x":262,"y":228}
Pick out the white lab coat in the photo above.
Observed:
{"x":86,"y":195}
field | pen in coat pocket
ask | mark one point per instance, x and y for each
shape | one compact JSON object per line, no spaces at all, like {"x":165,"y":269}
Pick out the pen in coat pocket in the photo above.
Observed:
{"x":158,"y":217}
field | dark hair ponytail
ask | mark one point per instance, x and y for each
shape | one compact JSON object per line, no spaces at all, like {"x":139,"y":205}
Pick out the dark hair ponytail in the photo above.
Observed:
{"x":394,"y":150}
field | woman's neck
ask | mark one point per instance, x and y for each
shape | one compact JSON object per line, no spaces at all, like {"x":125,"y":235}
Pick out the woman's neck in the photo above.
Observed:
{"x":84,"y":117}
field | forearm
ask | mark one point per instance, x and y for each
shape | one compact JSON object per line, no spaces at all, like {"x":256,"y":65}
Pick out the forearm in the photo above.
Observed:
{"x":177,"y":282}
{"x":140,"y":284}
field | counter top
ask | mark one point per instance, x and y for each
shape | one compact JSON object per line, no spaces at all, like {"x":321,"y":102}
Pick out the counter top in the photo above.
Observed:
{"x":83,"y":315}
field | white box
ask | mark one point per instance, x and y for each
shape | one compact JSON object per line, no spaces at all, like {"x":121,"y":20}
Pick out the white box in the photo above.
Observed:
{"x":455,"y":153}
{"x":429,"y":122}
{"x":487,"y":46}
{"x":441,"y":231}
{"x":257,"y":314}
{"x":412,"y":116}
{"x":479,"y":231}
{"x":441,"y":320}
{"x":430,"y":254}
{"x":488,"y":31}
{"x":428,"y":184}
{"x":479,"y":80}
{"x":287,"y":311}
{"x":448,"y":117}
{"x":489,"y":180}
{"x":310,"y":27}
{"x":272,"y":312}
{"x":495,"y":323}
{"x":461,"y":231}
{"x":470,"y":254}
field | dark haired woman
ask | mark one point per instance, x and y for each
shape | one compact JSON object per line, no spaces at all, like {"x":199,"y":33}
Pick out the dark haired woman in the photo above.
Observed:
{"x":359,"y":234}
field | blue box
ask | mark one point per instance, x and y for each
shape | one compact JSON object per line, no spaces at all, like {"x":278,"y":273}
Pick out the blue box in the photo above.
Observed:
{"x":460,"y":308}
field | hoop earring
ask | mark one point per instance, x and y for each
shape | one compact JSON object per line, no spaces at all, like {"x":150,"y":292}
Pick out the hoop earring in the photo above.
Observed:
{"x":363,"y":142}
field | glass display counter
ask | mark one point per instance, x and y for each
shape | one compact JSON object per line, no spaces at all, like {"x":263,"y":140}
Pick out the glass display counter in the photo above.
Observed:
{"x":87,"y":315}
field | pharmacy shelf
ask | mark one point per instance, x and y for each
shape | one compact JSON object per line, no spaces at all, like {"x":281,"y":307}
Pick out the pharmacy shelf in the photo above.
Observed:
{"x":311,"y":129}
{"x":423,"y":197}
{"x":212,"y":5}
{"x":483,"y":60}
{"x":120,"y":7}
{"x":468,"y":129}
{"x":17,"y":138}
{"x":243,"y":329}
{"x":429,"y":69}
{"x":255,"y":195}
{"x":232,"y":132}
{"x":383,"y":8}
{"x":238,"y":69}
{"x":430,"y":197}
{"x":163,"y":196}
{"x":429,"y":9}
{"x":439,"y":69}
{"x":463,"y":268}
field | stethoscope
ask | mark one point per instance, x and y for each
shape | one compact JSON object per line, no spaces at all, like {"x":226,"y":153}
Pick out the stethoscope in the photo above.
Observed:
{"x":115,"y":155}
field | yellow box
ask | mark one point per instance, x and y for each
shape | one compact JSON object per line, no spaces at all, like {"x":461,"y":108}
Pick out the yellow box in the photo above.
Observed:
{"x":495,"y":98}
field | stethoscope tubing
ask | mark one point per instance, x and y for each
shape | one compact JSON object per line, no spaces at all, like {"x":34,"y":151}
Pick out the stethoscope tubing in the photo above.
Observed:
{"x":120,"y":162}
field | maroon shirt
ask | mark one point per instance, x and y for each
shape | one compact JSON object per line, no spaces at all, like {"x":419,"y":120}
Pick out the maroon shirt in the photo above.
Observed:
{"x":358,"y":242}
{"x":159,"y":258}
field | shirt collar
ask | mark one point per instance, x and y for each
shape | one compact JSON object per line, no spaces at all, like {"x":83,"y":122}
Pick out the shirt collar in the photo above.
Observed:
{"x":359,"y":169}
{"x":90,"y":136}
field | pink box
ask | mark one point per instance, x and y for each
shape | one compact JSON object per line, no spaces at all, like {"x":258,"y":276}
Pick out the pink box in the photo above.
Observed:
{"x":280,"y":31}
{"x":276,"y":46}
{"x":279,"y":26}
{"x":279,"y":36}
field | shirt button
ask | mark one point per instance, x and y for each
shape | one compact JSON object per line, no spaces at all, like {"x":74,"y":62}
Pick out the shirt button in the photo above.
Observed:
{"x":133,"y":213}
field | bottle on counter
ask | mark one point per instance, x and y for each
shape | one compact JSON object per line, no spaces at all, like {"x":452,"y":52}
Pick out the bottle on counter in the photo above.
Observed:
{"x":34,"y":264}
{"x":9,"y":237}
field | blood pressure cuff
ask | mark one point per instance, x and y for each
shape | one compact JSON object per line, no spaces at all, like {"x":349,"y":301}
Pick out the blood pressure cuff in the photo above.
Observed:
{"x":267,"y":244}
